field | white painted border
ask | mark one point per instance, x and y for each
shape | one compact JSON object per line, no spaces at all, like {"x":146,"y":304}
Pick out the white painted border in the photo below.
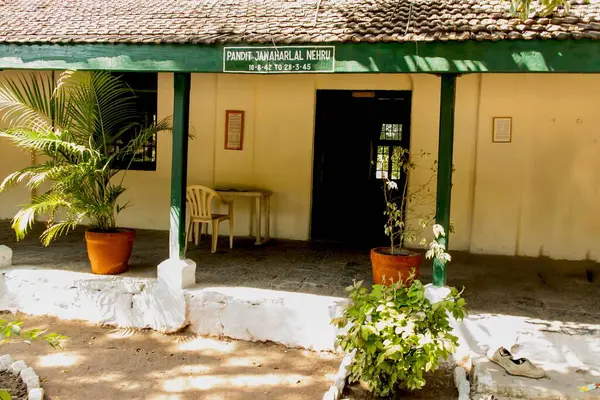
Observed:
{"x":462,"y":383}
{"x":279,"y":72}
{"x":335,"y":391}
{"x":27,"y":375}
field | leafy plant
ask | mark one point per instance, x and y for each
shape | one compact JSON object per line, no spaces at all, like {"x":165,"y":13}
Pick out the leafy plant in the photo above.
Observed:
{"x":526,"y":8}
{"x":11,"y":329}
{"x":407,"y":212}
{"x":437,"y":250}
{"x":397,"y":334}
{"x":76,"y":126}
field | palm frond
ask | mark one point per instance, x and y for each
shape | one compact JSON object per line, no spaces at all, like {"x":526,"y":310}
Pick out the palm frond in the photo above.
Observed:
{"x":55,"y":230}
{"x":27,"y":102}
{"x":47,"y":203}
{"x":78,"y":122}
{"x":143,"y":135}
{"x":34,"y":173}
{"x":47,"y":142}
{"x":101,"y":103}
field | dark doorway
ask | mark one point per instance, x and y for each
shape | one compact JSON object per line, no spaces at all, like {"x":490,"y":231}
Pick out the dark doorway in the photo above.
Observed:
{"x":356,"y":134}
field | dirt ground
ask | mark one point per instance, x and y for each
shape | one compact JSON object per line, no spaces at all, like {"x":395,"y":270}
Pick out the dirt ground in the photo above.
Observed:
{"x":103,"y":363}
{"x":440,"y":386}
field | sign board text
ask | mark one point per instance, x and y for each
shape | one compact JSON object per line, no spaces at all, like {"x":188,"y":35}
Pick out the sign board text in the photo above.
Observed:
{"x":279,"y":59}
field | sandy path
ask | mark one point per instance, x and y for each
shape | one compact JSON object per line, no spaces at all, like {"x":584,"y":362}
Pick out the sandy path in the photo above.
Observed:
{"x":102,"y":363}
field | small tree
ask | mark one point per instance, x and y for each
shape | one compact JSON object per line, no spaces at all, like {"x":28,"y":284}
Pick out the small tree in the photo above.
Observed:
{"x":397,"y":334}
{"x":408,"y":212}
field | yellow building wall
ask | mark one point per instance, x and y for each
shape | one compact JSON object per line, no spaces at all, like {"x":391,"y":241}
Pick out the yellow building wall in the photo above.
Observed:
{"x":12,"y":159}
{"x":534,"y":196}
{"x":539,"y":194}
{"x":278,"y":144}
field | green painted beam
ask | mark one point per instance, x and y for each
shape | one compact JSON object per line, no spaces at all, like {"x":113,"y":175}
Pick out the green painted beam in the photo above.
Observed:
{"x":543,"y":56}
{"x":181,"y":116}
{"x":444,"y":176}
{"x":112,"y":57}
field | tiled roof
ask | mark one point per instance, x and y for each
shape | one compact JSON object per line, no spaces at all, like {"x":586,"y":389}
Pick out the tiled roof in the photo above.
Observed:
{"x":282,"y":21}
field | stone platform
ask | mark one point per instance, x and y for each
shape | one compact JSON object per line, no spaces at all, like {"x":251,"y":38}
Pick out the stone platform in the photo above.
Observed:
{"x":292,"y":319}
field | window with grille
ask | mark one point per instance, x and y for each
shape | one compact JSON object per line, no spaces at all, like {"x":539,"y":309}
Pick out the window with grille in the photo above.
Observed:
{"x":145,"y":87}
{"x":391,"y":132}
{"x":389,"y":152}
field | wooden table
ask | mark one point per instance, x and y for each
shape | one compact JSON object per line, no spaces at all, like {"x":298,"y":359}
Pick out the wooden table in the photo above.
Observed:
{"x":262,"y":199}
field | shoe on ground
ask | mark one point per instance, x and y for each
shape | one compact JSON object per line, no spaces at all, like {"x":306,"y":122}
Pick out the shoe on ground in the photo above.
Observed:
{"x":517,"y":367}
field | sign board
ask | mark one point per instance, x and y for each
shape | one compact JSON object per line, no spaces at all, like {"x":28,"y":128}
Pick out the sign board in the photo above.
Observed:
{"x":279,"y":59}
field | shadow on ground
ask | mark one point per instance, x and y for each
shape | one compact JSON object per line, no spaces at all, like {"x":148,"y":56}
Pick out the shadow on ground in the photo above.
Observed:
{"x":103,"y":363}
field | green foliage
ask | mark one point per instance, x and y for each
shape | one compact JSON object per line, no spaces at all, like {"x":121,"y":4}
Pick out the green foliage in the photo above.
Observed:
{"x":398,"y":334}
{"x":74,"y":126}
{"x":408,"y":212}
{"x":9,"y":330}
{"x":526,"y":8}
{"x":437,"y":248}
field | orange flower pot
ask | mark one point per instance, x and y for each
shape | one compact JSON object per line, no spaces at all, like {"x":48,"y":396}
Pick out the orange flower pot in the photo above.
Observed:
{"x":388,"y":268}
{"x":109,"y":252}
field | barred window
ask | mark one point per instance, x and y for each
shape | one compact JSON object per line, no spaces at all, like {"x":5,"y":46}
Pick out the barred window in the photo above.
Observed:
{"x":145,"y":87}
{"x":389,"y":152}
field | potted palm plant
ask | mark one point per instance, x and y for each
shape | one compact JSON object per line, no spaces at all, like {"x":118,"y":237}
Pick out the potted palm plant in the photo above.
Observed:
{"x":407,"y":214}
{"x":76,"y":126}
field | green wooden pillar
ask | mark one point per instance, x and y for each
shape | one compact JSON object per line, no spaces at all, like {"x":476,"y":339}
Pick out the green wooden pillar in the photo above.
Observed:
{"x":444,"y":177}
{"x":181,"y":116}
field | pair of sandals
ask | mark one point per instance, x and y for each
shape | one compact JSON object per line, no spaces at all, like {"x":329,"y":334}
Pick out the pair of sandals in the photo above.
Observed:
{"x":517,"y":367}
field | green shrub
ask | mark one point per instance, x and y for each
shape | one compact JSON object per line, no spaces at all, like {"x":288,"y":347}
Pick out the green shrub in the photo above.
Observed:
{"x":11,"y":329}
{"x":398,"y":334}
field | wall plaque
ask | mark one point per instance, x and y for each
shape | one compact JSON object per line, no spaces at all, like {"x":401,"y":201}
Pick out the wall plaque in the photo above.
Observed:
{"x":234,"y":130}
{"x":502,"y":130}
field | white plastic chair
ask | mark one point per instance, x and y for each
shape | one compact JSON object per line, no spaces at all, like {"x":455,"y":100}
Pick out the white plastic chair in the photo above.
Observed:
{"x":199,"y":200}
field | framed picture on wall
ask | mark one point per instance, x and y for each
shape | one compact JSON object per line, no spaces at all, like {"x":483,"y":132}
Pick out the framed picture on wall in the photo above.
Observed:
{"x":234,"y":130}
{"x":502,"y":130}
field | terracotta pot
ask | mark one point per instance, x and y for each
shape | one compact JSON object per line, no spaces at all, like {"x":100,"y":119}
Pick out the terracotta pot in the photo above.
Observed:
{"x":109,"y":252}
{"x":393,"y":266}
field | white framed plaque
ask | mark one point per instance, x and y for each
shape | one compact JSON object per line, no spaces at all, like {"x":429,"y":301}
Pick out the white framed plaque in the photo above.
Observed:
{"x":502,"y":130}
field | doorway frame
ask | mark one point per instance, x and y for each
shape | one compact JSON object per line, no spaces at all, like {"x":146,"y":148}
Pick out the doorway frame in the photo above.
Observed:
{"x":319,"y":147}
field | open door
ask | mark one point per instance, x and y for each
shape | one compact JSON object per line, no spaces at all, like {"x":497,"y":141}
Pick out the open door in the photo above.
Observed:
{"x":356,"y":135}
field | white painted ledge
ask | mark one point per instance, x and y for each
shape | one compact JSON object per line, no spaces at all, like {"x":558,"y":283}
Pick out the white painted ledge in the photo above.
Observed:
{"x":292,"y":319}
{"x":5,"y":256}
{"x":463,"y":354}
{"x":119,"y":301}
